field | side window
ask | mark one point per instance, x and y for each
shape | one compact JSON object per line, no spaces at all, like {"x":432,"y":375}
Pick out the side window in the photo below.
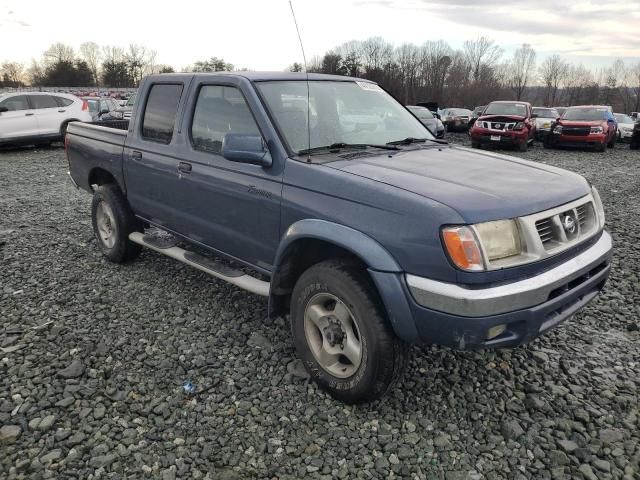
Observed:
{"x":220,"y":110}
{"x":104,"y":105}
{"x":19,"y":102}
{"x":63,"y":102}
{"x":160,"y":112}
{"x":43,"y":101}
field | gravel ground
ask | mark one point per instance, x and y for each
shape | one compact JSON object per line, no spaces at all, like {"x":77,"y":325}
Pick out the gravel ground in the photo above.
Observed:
{"x":94,"y":356}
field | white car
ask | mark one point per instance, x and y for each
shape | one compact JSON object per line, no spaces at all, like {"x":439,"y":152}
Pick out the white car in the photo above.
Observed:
{"x":38,"y":117}
{"x":544,"y":119}
{"x":625,"y":127}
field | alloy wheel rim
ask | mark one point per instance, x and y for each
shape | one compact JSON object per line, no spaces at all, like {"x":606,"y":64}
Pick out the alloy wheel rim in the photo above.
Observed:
{"x":106,"y":223}
{"x":333,"y":335}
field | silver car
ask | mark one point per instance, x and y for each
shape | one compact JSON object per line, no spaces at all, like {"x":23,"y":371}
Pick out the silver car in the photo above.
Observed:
{"x":544,"y":119}
{"x":428,"y":119}
{"x":625,"y":127}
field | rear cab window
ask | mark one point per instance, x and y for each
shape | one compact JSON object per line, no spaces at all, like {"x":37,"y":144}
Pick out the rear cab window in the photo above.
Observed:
{"x":159,"y":116}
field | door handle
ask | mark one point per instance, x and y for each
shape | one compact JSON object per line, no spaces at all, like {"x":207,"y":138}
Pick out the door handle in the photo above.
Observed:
{"x":135,"y":155}
{"x":28,"y":114}
{"x":184,"y":167}
{"x":61,"y":111}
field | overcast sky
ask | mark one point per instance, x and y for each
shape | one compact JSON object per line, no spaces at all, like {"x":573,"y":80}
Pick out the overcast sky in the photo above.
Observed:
{"x":260,"y":34}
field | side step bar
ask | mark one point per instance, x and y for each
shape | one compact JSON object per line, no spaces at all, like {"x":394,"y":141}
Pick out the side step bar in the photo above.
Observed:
{"x":223,"y":272}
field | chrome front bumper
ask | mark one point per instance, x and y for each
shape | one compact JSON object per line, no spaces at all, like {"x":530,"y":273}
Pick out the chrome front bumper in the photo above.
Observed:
{"x":459,"y":300}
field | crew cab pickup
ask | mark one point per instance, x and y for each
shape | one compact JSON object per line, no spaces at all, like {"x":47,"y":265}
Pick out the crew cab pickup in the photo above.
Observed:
{"x":331,"y":199}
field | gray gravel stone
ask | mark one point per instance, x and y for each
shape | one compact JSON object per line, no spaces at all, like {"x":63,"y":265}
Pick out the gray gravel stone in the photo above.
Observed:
{"x":74,"y":370}
{"x":137,"y":332}
{"x":9,"y":434}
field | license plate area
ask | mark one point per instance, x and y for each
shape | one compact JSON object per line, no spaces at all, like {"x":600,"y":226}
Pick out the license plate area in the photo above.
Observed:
{"x":495,"y":138}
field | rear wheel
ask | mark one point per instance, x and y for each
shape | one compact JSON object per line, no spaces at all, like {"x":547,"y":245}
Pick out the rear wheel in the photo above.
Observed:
{"x":342,"y":335}
{"x":113,"y":221}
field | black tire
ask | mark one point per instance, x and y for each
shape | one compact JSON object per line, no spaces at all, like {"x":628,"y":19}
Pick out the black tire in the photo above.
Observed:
{"x":122,"y":221}
{"x":524,"y":146}
{"x":383,"y":355}
{"x":475,"y":144}
{"x":612,"y":143}
{"x":63,"y":130}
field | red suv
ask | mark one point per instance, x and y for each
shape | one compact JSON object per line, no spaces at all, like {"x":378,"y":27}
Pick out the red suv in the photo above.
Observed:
{"x":505,"y":124}
{"x":584,"y":126}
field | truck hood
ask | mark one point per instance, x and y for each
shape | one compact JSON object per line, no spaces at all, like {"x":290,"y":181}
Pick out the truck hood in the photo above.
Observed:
{"x":480,"y":186}
{"x":502,"y":118}
{"x":580,"y":123}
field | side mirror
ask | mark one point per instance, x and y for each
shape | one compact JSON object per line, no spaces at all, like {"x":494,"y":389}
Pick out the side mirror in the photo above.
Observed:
{"x":3,"y":109}
{"x":104,"y":111}
{"x":437,"y":115}
{"x":238,"y":147}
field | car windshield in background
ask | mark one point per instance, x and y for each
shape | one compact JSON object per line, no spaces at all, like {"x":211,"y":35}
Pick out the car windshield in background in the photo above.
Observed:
{"x":131,"y":100}
{"x":519,"y":109}
{"x":459,"y":111}
{"x":340,"y":113}
{"x":546,"y":112}
{"x":421,"y":112}
{"x":623,"y":118}
{"x":585,"y":114}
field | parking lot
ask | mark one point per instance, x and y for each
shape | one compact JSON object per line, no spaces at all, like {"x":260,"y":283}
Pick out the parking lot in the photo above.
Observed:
{"x":94,"y":356}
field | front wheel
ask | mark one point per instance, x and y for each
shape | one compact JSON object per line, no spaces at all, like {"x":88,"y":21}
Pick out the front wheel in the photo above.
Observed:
{"x":523,"y":146}
{"x":342,"y":335}
{"x":113,"y":221}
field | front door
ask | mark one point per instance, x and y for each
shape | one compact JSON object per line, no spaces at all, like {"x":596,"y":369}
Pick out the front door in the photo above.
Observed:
{"x":232,"y":207}
{"x":19,"y":120}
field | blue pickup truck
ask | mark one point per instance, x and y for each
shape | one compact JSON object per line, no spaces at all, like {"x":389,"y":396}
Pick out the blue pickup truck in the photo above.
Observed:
{"x":330,"y":198}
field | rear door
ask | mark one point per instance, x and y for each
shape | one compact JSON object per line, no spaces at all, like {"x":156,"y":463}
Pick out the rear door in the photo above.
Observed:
{"x":46,"y":110}
{"x":150,"y":164}
{"x":19,"y":120}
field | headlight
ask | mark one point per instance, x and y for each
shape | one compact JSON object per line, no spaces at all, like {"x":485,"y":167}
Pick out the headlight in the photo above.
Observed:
{"x":599,"y":206}
{"x":597,"y":130}
{"x":518,"y":126}
{"x":498,"y":239}
{"x":627,"y":129}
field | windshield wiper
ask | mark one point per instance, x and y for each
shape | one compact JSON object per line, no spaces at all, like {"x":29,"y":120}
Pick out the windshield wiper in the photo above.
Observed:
{"x":340,"y":145}
{"x":411,"y":140}
{"x":408,"y":141}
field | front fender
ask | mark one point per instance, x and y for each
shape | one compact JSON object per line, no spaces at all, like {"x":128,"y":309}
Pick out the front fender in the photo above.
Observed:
{"x":361,"y":245}
{"x":382,"y":267}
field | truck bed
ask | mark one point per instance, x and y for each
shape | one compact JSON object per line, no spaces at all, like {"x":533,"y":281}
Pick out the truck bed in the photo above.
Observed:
{"x":94,"y":148}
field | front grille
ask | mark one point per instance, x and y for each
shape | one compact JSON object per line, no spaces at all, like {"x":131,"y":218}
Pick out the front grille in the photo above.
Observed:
{"x":567,"y":226}
{"x":499,"y":126}
{"x":545,"y":230}
{"x":576,"y":131}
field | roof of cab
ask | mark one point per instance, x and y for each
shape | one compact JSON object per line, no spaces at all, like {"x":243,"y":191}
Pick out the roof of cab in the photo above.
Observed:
{"x":273,"y":76}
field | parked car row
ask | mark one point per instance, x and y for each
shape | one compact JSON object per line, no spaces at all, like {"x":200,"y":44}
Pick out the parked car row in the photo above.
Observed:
{"x":517,"y":124}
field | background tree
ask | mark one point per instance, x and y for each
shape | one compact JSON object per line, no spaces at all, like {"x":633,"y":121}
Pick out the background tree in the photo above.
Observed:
{"x":90,"y":53}
{"x":214,"y":64}
{"x":552,"y":71}
{"x":521,"y":68}
{"x":12,"y":74}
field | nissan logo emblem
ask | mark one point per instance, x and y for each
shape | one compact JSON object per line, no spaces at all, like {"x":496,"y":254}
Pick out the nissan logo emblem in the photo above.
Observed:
{"x":569,"y":224}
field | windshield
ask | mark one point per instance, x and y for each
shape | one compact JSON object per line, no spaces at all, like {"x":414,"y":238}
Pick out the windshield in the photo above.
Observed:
{"x":546,"y":112}
{"x":94,"y":105}
{"x":132,"y":99}
{"x":622,"y":118}
{"x":586,"y":114}
{"x":421,"y":112}
{"x":519,"y":109}
{"x":340,"y":112}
